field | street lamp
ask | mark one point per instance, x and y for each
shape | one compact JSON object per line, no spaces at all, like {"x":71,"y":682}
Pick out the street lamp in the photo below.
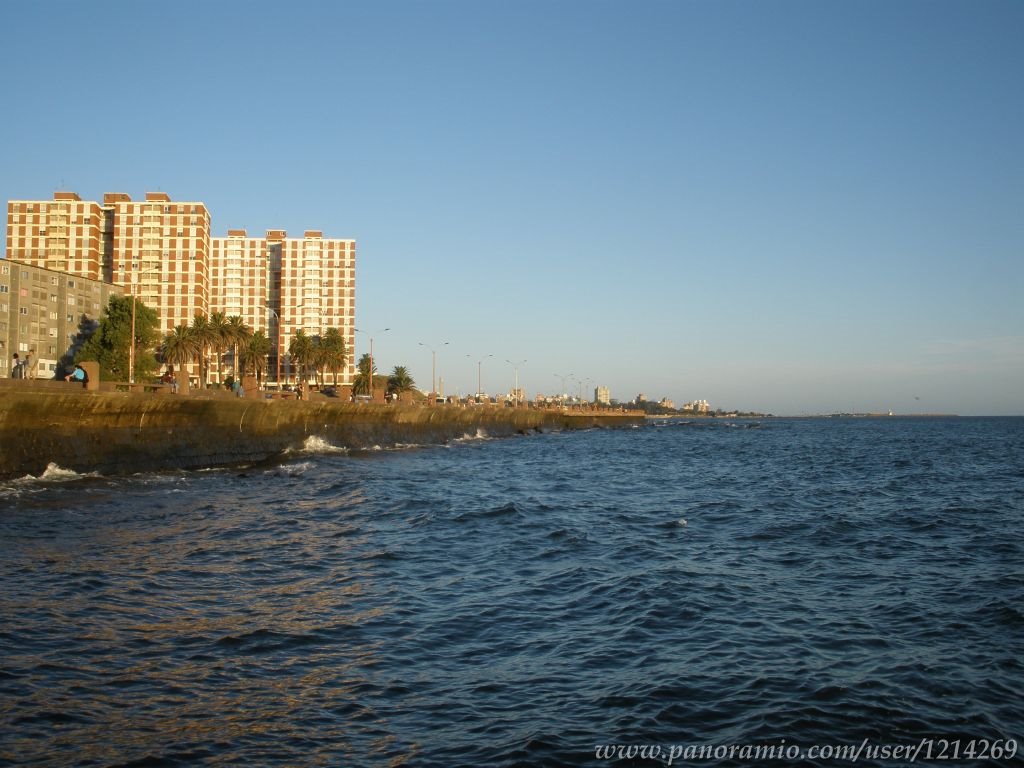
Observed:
{"x":479,"y":363}
{"x":516,"y":367}
{"x":370,"y":334}
{"x":277,"y":346}
{"x":433,"y":367}
{"x":131,"y":345}
{"x":562,"y":392}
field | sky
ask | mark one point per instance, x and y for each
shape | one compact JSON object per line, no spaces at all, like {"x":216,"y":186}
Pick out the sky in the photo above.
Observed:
{"x":788,"y":207}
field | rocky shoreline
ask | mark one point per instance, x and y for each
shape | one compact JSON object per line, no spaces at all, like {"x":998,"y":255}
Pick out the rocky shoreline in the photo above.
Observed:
{"x":123,"y":433}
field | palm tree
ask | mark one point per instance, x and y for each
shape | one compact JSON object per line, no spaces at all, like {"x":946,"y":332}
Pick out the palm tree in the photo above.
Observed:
{"x":205,"y":338}
{"x":301,"y":348}
{"x":253,"y":354}
{"x":218,"y":334}
{"x":400,"y":382}
{"x":332,"y":352}
{"x":361,"y":383}
{"x":237,"y":334}
{"x":179,"y":347}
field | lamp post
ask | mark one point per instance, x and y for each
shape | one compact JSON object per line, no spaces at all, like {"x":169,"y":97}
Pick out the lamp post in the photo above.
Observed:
{"x":277,"y":346}
{"x":370,"y":334}
{"x":562,"y":392}
{"x":131,"y":344}
{"x":433,"y":367}
{"x":516,"y":367}
{"x":479,"y":364}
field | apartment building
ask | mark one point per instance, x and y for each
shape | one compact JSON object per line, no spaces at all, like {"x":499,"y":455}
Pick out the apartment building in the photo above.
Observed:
{"x":46,"y":311}
{"x":66,"y":234}
{"x":313,"y":288}
{"x":161,"y":250}
{"x":240,"y":278}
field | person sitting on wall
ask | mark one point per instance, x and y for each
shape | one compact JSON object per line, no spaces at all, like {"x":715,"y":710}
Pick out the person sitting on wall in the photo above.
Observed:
{"x":78,"y":376}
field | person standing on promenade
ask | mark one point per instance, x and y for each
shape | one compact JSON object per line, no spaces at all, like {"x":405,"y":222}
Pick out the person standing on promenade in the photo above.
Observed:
{"x":17,"y":372}
{"x":31,"y":362}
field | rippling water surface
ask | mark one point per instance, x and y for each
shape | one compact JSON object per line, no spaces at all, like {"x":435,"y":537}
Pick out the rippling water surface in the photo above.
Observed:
{"x":520,"y":602}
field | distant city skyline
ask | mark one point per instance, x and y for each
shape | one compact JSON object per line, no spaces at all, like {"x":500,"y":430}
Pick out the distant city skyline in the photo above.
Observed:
{"x":791,"y":208}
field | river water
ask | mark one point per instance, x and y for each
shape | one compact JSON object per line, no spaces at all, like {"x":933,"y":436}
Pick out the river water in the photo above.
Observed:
{"x":526,"y":602}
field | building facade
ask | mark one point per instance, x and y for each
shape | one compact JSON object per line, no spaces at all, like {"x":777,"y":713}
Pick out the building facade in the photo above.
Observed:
{"x":47,"y":313}
{"x":65,"y":234}
{"x":161,"y":251}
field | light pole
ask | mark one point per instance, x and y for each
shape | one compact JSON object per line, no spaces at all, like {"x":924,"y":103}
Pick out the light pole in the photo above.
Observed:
{"x":370,"y":334}
{"x":516,"y":367}
{"x":433,"y":367}
{"x":562,"y":393}
{"x":479,"y":364}
{"x":277,"y":346}
{"x":131,"y":345}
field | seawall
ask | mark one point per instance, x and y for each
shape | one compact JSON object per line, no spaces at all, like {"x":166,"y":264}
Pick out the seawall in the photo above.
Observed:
{"x":120,"y":432}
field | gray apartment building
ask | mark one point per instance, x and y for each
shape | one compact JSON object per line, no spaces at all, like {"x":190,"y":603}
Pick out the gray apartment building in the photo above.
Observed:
{"x":45,"y":312}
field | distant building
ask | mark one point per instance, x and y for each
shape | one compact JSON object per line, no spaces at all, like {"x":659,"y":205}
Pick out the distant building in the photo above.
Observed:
{"x":46,"y":311}
{"x":667,"y":403}
{"x":697,"y":406}
{"x":602,"y":396}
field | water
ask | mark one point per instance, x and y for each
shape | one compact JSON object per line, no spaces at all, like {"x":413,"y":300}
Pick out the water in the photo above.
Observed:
{"x":524,"y":601}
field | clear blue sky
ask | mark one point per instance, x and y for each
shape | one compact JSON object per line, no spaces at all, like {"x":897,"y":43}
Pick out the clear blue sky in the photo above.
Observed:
{"x":784,"y":206}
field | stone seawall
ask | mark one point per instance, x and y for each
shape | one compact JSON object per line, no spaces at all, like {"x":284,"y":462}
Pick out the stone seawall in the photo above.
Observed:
{"x":117,"y":433}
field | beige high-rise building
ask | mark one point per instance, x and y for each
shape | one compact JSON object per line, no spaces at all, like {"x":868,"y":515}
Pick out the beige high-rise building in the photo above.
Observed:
{"x":64,"y":235}
{"x":240,"y":278}
{"x":313,"y":289}
{"x":160,"y":253}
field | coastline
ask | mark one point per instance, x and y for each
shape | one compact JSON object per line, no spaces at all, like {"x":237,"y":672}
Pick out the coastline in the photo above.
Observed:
{"x":123,"y":433}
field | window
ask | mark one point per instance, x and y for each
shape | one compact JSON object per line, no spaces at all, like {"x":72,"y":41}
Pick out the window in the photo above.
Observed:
{"x":71,"y":284}
{"x":4,"y":288}
{"x":24,"y":311}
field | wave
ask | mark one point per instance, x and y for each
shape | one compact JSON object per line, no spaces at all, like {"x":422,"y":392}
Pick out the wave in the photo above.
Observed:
{"x":481,"y":434}
{"x":316,"y":444}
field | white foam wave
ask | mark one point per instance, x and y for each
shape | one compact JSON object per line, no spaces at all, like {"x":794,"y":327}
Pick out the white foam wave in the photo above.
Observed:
{"x":315,"y":444}
{"x":57,"y":474}
{"x":481,"y":434}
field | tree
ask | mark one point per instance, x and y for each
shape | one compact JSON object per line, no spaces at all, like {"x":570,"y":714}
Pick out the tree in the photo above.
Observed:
{"x":332,"y":352}
{"x":180,"y":347}
{"x":253,"y":354}
{"x":237,"y":334}
{"x":300,"y":348}
{"x":400,"y":382}
{"x":206,"y":337}
{"x":109,"y":345}
{"x":218,"y":335}
{"x":361,"y":383}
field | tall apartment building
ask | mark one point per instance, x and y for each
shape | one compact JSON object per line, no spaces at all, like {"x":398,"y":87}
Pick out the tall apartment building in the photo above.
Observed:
{"x":313,"y":288}
{"x":65,"y":234}
{"x":240,"y":277}
{"x":161,"y":251}
{"x":46,"y":311}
